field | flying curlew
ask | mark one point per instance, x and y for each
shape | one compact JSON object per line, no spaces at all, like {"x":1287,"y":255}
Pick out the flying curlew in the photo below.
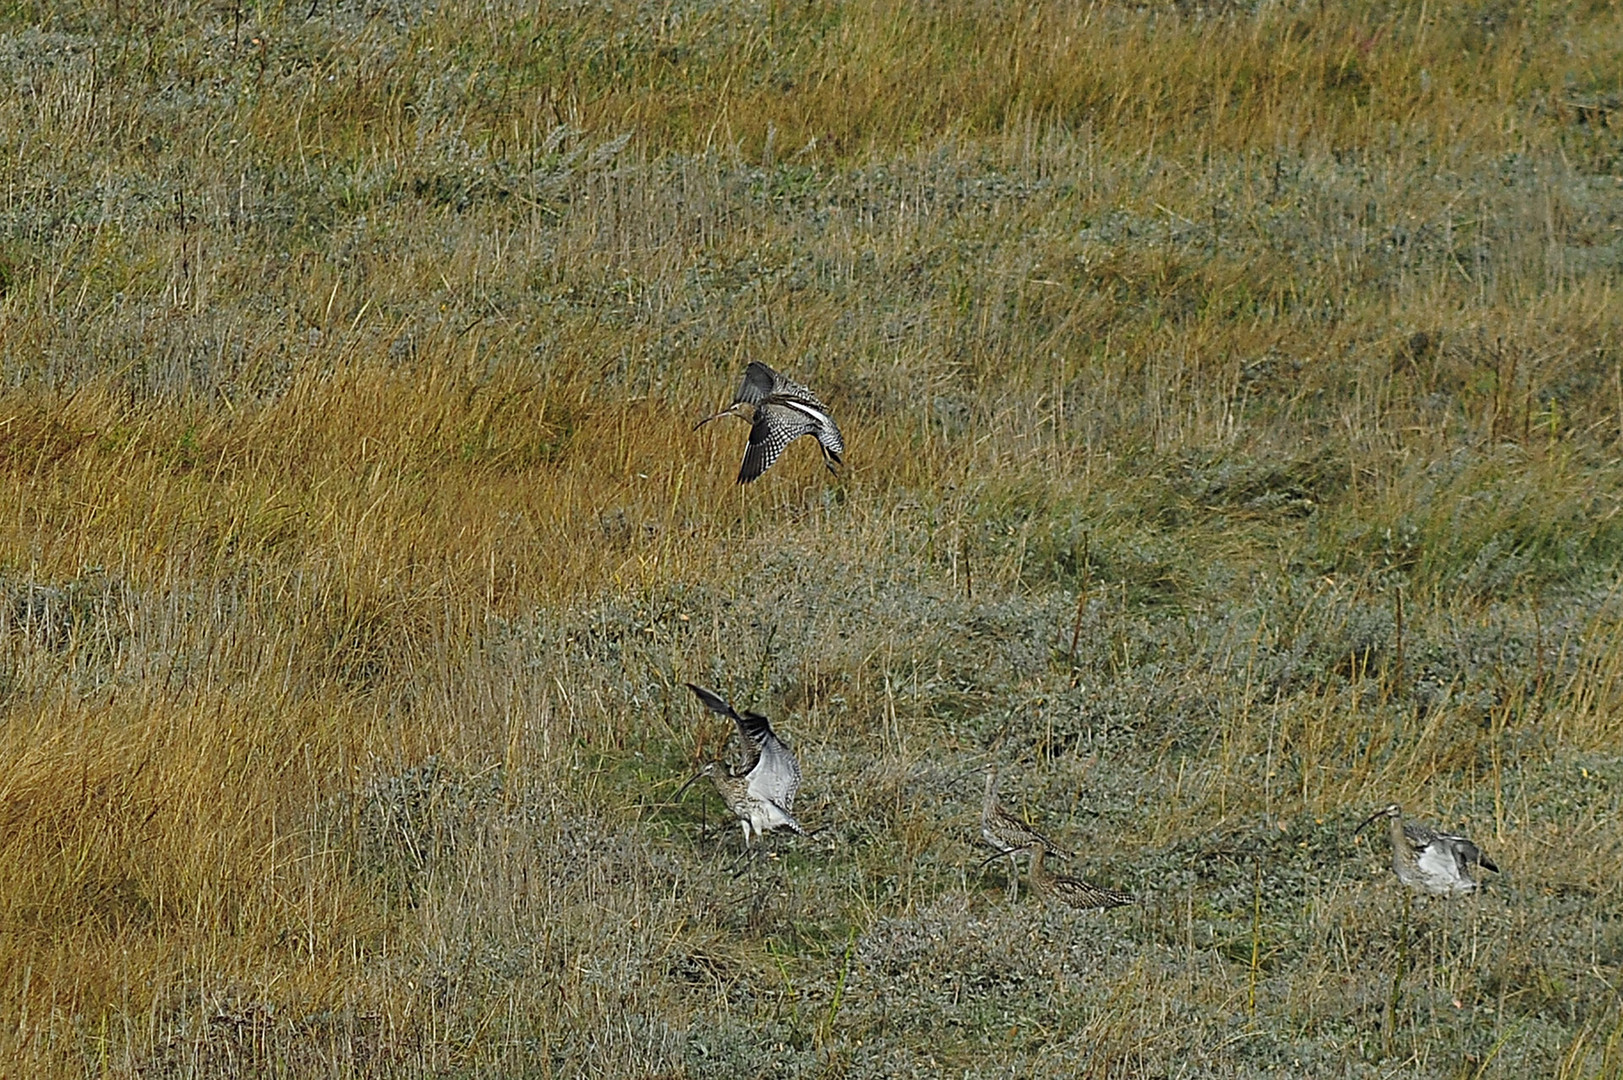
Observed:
{"x":1070,"y":891}
{"x":761,"y":792}
{"x":1428,"y":860}
{"x":1007,"y":833}
{"x":779,"y":411}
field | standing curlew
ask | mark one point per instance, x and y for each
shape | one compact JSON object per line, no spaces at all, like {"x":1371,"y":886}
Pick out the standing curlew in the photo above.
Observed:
{"x":1425,"y":859}
{"x":1007,"y":833}
{"x":761,"y":792}
{"x":1070,"y":891}
{"x":779,"y":412}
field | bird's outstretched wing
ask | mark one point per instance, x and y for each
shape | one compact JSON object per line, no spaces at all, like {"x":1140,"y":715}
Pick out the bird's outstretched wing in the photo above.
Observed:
{"x":718,"y":704}
{"x":759,"y":381}
{"x":776,"y":776}
{"x":1441,"y":868}
{"x":1457,"y":849}
{"x":775,"y":427}
{"x":713,"y":701}
{"x":793,"y":391}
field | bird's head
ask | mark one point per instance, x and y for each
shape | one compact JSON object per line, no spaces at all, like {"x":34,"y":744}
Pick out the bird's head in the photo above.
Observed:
{"x":712,"y":768}
{"x":988,"y":770}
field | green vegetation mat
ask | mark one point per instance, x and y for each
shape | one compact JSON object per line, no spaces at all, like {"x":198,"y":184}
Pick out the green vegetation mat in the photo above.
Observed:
{"x":1233,"y":407}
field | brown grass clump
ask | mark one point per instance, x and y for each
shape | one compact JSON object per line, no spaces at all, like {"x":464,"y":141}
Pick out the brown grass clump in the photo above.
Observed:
{"x":1233,"y":406}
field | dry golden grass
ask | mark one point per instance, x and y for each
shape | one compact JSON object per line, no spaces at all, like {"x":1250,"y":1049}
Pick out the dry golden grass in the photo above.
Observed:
{"x":357,"y":544}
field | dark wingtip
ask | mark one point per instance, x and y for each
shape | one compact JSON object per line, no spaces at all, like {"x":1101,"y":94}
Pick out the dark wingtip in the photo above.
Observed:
{"x":755,"y":725}
{"x":711,"y":700}
{"x":1486,"y":863}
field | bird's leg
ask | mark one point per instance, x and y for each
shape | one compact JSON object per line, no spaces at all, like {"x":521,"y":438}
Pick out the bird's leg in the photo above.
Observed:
{"x":1014,"y":867}
{"x":744,"y":864}
{"x":751,"y":859}
{"x":746,"y":859}
{"x":1014,"y":878}
{"x":1397,"y":976}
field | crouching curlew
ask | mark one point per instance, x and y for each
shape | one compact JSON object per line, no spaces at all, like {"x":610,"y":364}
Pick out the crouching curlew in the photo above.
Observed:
{"x":1070,"y":891}
{"x":1430,"y":861}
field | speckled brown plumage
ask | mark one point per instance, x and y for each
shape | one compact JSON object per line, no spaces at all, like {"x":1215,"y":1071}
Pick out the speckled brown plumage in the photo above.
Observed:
{"x":779,"y":411}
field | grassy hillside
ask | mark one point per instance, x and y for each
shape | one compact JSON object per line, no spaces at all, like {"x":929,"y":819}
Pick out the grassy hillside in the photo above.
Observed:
{"x":1234,"y":403}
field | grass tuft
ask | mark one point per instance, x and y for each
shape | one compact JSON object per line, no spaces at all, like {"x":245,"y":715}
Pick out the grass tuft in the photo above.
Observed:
{"x":1233,"y":412}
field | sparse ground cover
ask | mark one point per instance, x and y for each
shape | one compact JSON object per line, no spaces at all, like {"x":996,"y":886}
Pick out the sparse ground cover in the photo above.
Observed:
{"x":1233,"y":405}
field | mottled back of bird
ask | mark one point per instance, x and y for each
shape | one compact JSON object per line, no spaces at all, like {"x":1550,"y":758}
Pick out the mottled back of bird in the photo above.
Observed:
{"x":761,"y":383}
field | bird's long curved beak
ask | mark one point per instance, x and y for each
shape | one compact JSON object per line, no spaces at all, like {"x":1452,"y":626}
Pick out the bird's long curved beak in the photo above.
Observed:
{"x":1369,"y":821}
{"x":685,"y":786}
{"x":970,"y":773}
{"x":716,"y":416}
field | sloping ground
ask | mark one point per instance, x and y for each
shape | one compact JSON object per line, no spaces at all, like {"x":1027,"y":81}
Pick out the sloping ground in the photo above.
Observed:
{"x":1233,"y":405}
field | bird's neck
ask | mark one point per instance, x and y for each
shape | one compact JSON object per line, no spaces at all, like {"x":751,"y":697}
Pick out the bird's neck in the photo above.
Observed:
{"x":1401,"y":849}
{"x":1039,"y":872}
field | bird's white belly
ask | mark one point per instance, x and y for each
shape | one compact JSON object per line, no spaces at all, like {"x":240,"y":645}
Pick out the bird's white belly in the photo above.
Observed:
{"x":1438,"y":872}
{"x":997,"y":841}
{"x":765,"y":816}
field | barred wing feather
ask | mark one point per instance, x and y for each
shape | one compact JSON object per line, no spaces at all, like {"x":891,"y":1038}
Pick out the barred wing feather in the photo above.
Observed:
{"x":776,"y":426}
{"x":759,"y":382}
{"x":776,"y":776}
